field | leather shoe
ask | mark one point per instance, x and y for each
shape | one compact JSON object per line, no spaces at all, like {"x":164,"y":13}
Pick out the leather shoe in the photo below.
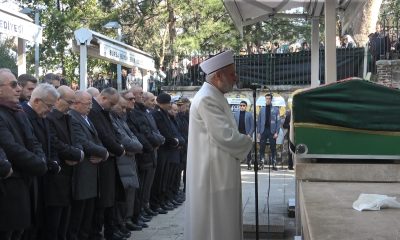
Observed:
{"x":167,"y":208}
{"x":274,"y":169}
{"x":150,"y":212}
{"x":141,"y":223}
{"x":144,"y":219}
{"x":160,"y":211}
{"x":133,"y":227}
{"x":173,"y":201}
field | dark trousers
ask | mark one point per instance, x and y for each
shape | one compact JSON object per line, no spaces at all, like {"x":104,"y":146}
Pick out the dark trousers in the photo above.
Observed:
{"x":56,"y":222}
{"x":158,"y":189}
{"x":272,"y":145}
{"x":173,"y":180}
{"x":290,"y":156}
{"x":11,"y":235}
{"x":81,"y":219}
{"x":124,"y":210}
{"x":146,"y":179}
{"x":103,"y":217}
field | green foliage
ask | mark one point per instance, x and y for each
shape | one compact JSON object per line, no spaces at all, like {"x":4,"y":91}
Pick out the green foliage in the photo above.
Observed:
{"x":6,"y":59}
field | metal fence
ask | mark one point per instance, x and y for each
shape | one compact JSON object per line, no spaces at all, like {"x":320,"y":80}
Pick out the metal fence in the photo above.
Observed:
{"x":280,"y":68}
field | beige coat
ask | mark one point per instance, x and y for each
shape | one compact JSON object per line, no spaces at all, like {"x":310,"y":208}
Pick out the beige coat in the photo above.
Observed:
{"x":213,"y":194}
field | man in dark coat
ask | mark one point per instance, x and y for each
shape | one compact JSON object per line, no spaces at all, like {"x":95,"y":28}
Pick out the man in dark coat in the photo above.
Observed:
{"x":137,"y":119}
{"x":126,"y":164}
{"x":149,"y":101}
{"x":85,"y":173}
{"x":58,"y":186}
{"x":17,"y":201}
{"x":110,"y":185}
{"x":182,"y":120}
{"x":166,"y":153}
{"x":40,"y":104}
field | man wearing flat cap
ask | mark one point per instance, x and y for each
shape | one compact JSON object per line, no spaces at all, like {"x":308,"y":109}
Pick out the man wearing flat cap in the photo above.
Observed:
{"x":215,"y":149}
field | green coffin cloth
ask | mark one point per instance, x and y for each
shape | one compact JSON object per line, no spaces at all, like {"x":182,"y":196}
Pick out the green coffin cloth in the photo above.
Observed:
{"x":356,"y":104}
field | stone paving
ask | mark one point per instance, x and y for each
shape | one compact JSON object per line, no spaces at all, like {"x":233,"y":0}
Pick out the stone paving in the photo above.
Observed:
{"x":170,"y":226}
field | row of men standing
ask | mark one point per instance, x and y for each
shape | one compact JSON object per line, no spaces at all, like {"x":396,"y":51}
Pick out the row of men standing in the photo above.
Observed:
{"x":76,"y":165}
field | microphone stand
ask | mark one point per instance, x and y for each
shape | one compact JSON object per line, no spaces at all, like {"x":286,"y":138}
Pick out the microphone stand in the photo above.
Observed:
{"x":254,"y":88}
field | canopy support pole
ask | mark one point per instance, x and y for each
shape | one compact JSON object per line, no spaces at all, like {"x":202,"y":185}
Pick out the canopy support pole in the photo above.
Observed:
{"x":330,"y":42}
{"x":315,"y":52}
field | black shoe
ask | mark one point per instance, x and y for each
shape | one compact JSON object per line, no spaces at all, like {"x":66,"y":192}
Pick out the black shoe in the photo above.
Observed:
{"x":176,"y":203}
{"x":248,"y":168}
{"x":115,"y":236}
{"x":179,"y":200}
{"x":160,"y":211}
{"x":166,"y":208}
{"x":121,"y":234}
{"x":141,"y":223}
{"x":169,"y":203}
{"x":290,"y":168}
{"x":144,"y":219}
{"x":274,"y":169}
{"x":150,"y":212}
{"x":133,"y":227}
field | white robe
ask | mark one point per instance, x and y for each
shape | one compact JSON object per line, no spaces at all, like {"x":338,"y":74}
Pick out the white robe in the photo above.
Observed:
{"x":213,"y":194}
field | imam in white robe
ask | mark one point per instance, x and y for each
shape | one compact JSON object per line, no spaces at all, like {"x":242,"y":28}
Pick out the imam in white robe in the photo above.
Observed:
{"x":213,"y":194}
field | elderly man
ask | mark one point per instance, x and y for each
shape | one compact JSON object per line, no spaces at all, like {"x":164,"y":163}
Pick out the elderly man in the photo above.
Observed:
{"x":100,"y":116}
{"x":28,"y":83}
{"x":42,"y":101}
{"x":126,"y":164}
{"x":58,"y":188}
{"x":85,"y":173}
{"x":93,"y":91}
{"x":26,"y":157}
{"x":213,"y":196}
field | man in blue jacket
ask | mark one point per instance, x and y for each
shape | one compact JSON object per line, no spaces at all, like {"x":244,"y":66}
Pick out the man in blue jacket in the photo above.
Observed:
{"x":245,"y":123}
{"x":268,"y":125}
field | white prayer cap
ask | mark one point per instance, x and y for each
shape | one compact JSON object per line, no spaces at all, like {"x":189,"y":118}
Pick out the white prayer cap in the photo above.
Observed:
{"x":217,"y":62}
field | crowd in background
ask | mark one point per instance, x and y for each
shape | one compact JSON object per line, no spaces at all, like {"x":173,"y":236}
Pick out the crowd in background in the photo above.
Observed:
{"x":91,"y":164}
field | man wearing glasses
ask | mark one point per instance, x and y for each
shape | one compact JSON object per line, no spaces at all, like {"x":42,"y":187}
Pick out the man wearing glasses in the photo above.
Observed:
{"x":245,"y":123}
{"x":42,"y":101}
{"x":58,"y":187}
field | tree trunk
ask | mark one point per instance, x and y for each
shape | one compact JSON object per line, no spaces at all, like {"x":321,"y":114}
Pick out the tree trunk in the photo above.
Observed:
{"x":364,"y":21}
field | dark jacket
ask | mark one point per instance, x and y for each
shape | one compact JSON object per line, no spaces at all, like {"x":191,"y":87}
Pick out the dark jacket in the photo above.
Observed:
{"x":85,"y":173}
{"x":59,"y":186}
{"x":126,"y":164}
{"x":5,"y":165}
{"x":164,"y":124}
{"x":140,"y":125}
{"x":42,"y":132}
{"x":107,"y":170}
{"x":28,"y":160}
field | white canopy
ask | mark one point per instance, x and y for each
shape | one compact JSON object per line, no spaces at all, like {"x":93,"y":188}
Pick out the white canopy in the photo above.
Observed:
{"x":248,"y":12}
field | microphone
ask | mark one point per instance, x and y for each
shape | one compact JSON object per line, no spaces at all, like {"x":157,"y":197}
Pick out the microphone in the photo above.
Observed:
{"x":255,"y":86}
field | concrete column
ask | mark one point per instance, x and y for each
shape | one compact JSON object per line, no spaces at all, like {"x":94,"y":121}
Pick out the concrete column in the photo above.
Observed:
{"x":21,"y":59}
{"x":119,"y":69}
{"x":37,"y":47}
{"x":330,"y":42}
{"x":83,"y":67}
{"x":315,"y":52}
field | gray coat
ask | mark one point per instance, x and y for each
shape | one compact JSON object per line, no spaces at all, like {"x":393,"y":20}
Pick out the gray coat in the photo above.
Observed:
{"x":85,"y":173}
{"x":248,"y":121}
{"x":126,"y":164}
{"x":274,"y":118}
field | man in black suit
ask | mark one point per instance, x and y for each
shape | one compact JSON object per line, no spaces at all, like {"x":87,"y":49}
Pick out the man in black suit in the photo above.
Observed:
{"x":167,"y":152}
{"x":84,"y":179}
{"x":110,"y":185}
{"x":151,"y":140}
{"x":58,"y":186}
{"x":41,"y":103}
{"x":17,"y":203}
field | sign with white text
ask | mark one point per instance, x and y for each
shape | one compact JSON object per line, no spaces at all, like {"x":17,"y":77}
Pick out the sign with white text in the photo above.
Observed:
{"x":125,"y":56}
{"x":19,"y":27}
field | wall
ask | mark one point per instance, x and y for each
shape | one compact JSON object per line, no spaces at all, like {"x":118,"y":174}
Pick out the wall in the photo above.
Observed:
{"x":388,"y":73}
